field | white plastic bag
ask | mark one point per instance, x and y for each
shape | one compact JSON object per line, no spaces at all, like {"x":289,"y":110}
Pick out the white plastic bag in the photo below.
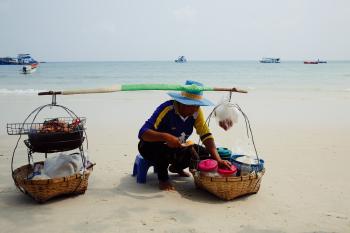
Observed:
{"x":226,"y":114}
{"x":62,"y":165}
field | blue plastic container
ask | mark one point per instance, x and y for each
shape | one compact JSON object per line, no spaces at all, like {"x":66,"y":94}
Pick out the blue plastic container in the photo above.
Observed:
{"x":224,"y":153}
{"x":246,"y":167}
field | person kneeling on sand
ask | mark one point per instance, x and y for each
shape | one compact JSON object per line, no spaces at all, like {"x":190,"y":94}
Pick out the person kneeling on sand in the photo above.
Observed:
{"x":163,"y":136}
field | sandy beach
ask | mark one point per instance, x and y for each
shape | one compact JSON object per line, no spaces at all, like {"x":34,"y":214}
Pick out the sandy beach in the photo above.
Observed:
{"x":302,"y":136}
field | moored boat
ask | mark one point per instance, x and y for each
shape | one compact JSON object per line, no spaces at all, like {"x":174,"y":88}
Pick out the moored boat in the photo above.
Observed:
{"x":310,"y":62}
{"x":22,"y":59}
{"x":181,"y":59}
{"x":8,"y":61}
{"x":318,"y":61}
{"x":270,"y":60}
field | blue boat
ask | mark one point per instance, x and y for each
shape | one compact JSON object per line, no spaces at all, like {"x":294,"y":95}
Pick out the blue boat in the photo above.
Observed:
{"x":22,"y":59}
{"x":8,"y":61}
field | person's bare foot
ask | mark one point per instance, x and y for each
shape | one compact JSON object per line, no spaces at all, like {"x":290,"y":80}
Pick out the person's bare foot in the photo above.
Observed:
{"x":179,"y":172}
{"x":166,"y":186}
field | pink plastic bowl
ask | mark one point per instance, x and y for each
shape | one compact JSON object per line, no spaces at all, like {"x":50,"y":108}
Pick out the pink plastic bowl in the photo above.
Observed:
{"x":208,"y":165}
{"x":226,"y":172}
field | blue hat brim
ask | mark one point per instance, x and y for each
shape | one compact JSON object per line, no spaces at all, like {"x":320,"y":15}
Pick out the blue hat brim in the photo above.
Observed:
{"x":187,"y":101}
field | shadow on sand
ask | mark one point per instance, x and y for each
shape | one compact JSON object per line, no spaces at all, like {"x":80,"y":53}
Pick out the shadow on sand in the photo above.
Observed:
{"x":184,"y":186}
{"x":19,"y":199}
{"x":128,"y":187}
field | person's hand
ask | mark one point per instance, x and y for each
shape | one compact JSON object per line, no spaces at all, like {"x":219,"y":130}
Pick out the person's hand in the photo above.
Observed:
{"x":225,"y":164}
{"x":172,"y":141}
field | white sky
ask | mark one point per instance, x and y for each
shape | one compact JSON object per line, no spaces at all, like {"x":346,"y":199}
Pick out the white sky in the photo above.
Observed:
{"x":124,"y":30}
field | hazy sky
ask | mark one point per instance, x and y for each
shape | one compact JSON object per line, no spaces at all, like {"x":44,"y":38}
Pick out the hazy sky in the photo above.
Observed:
{"x":104,"y":30}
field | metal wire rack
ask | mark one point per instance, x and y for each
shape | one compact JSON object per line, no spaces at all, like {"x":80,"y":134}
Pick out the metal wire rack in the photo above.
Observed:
{"x":26,"y":128}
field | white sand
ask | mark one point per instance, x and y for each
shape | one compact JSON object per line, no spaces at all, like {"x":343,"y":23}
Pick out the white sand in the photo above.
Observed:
{"x":303,"y":138}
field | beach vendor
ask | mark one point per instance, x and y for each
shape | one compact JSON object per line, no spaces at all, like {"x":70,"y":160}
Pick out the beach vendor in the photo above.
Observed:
{"x":163,"y":136}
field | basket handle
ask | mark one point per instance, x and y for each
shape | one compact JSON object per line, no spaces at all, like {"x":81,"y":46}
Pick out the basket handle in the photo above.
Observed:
{"x":247,"y":123}
{"x":248,"y":128}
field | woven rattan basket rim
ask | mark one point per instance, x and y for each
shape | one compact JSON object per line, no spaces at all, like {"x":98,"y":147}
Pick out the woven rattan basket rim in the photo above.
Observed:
{"x":48,"y":181}
{"x":251,"y":176}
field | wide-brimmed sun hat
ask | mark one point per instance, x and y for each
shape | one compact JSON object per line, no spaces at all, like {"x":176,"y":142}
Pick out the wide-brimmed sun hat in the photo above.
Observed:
{"x":191,"y":97}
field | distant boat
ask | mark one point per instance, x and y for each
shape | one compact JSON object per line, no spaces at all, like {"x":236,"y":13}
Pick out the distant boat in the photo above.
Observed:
{"x":310,"y":62}
{"x":318,"y":61}
{"x":270,"y":60}
{"x":25,"y":58}
{"x":22,"y":59}
{"x":181,"y":59}
{"x":28,"y":69}
{"x":8,"y":61}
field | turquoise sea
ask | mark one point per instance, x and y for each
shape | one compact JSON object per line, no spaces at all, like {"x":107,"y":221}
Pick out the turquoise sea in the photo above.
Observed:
{"x":287,"y":76}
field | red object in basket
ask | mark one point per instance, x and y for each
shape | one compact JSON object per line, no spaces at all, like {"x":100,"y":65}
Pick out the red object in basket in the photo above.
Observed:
{"x":75,"y":122}
{"x":208,"y":165}
{"x":226,"y":172}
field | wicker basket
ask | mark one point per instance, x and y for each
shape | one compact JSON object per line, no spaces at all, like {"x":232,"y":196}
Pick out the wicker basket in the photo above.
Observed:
{"x":43,"y":190}
{"x":228,"y":188}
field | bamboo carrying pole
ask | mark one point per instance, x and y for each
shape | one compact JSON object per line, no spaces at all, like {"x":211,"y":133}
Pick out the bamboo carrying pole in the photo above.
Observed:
{"x":140,"y":87}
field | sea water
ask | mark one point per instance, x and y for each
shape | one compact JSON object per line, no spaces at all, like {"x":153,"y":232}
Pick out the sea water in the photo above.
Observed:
{"x":285,"y":76}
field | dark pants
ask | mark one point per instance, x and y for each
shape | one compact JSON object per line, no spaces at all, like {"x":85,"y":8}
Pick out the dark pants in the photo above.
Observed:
{"x":179,"y":158}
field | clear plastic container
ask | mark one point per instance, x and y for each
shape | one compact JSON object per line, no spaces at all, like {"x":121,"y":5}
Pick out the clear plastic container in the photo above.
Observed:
{"x":245,"y":169}
{"x":210,"y":174}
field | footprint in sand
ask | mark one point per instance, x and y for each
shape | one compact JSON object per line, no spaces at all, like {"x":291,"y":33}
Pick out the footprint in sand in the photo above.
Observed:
{"x":337,"y":215}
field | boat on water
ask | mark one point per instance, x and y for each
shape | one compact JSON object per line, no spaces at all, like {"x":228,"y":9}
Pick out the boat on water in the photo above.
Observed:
{"x":270,"y":60}
{"x":21,"y":59}
{"x":318,"y":61}
{"x":28,"y":69}
{"x":181,"y":59}
{"x":8,"y":61}
{"x":310,"y":62}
